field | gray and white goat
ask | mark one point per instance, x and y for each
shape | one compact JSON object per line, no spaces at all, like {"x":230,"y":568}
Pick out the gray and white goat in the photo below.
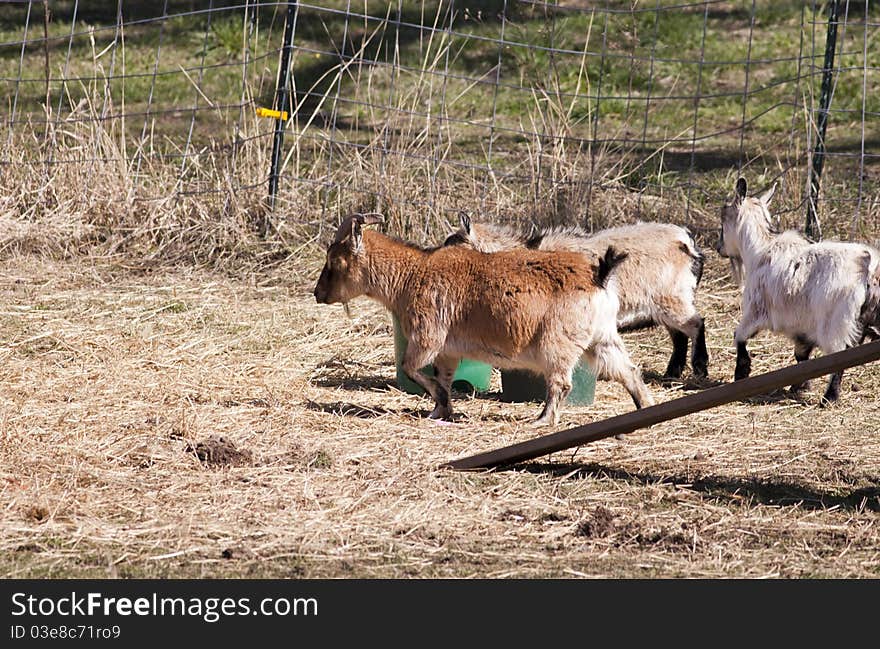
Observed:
{"x":824,"y":295}
{"x":656,"y":284}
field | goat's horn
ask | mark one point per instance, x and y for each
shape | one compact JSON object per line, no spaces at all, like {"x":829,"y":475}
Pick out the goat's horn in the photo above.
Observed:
{"x":369,"y":218}
{"x":348,"y":223}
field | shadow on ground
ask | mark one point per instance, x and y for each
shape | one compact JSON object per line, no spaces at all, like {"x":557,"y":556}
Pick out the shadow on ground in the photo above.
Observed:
{"x":770,"y":491}
{"x":687,"y":383}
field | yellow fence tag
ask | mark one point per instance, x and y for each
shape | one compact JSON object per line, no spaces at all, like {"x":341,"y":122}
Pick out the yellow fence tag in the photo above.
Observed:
{"x":268,"y":112}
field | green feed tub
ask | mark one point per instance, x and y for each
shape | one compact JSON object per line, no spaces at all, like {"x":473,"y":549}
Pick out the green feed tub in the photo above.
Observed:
{"x":522,"y":385}
{"x":469,"y":376}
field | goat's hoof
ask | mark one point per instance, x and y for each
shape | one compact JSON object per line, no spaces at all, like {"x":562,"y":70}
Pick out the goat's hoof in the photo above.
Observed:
{"x":827,"y":401}
{"x":701,"y":371}
{"x":441,"y":413}
{"x":742,"y":373}
{"x":673,"y":373}
{"x":540,"y":422}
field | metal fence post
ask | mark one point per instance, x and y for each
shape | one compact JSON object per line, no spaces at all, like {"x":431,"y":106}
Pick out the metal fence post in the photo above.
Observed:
{"x":281,"y":96}
{"x":812,"y":227}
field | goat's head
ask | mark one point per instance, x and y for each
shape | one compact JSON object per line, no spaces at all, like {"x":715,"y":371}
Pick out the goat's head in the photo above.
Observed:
{"x":484,"y":237}
{"x":342,"y":277}
{"x":462,"y":236}
{"x":733,"y":214}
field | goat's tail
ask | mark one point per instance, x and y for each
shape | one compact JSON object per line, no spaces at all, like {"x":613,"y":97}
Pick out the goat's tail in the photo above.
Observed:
{"x":870,"y":313}
{"x":607,"y":264}
{"x":698,"y":259}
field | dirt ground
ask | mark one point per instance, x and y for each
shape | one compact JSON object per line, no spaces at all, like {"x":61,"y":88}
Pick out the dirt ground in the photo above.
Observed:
{"x":189,"y":423}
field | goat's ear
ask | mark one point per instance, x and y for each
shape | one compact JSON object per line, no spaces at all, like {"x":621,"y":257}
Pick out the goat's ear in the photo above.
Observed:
{"x":766,"y":196}
{"x":740,"y":191}
{"x":356,"y":239}
{"x":464,"y":220}
{"x":344,"y":229}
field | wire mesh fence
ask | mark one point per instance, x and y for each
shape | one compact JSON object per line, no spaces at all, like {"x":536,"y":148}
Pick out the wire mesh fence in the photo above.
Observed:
{"x":141,"y":114}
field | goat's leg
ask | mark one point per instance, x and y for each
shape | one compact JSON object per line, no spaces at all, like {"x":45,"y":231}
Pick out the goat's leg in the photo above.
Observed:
{"x":416,"y":357}
{"x":747,"y":328}
{"x":679,"y":354}
{"x":682,"y":330}
{"x":743,"y":362}
{"x":611,"y":361}
{"x":803,"y":347}
{"x":558,"y":383}
{"x":444,"y":370}
{"x":832,"y":392}
{"x":699,"y":353}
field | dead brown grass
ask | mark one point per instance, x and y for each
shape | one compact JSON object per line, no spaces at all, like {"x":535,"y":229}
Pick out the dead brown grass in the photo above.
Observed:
{"x":112,"y":380}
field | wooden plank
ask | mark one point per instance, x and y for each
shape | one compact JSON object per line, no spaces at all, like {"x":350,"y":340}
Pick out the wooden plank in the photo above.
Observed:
{"x":710,"y":398}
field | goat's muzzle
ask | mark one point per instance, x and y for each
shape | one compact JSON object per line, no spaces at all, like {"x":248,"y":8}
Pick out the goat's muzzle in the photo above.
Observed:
{"x":321,"y":291}
{"x":719,"y":245}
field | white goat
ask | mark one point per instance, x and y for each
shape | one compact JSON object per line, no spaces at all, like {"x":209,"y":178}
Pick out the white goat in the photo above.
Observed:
{"x":656,"y":284}
{"x":824,"y":295}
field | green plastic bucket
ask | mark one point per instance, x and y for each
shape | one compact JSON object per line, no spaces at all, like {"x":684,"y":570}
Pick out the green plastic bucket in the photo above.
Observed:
{"x":470,"y":375}
{"x":522,"y":385}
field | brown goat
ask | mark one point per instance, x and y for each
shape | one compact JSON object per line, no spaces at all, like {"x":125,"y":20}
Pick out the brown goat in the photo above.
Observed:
{"x":520,"y":309}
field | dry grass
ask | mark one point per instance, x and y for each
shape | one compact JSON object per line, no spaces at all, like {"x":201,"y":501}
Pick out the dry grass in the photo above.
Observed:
{"x":116,"y":386}
{"x":174,"y":403}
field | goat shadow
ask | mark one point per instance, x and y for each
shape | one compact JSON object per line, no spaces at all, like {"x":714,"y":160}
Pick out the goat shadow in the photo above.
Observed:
{"x":355,"y":383}
{"x":361,"y":412}
{"x":686,"y":383}
{"x":769,"y":491}
{"x":782,"y":395}
{"x":346,"y":409}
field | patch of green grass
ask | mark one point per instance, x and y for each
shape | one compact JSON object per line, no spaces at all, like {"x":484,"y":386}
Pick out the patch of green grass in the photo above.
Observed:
{"x":623,"y":66}
{"x":669,"y":75}
{"x":321,"y":460}
{"x":175,"y":307}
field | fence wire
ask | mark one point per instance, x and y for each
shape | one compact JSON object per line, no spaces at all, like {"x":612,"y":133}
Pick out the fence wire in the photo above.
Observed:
{"x":562,"y":111}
